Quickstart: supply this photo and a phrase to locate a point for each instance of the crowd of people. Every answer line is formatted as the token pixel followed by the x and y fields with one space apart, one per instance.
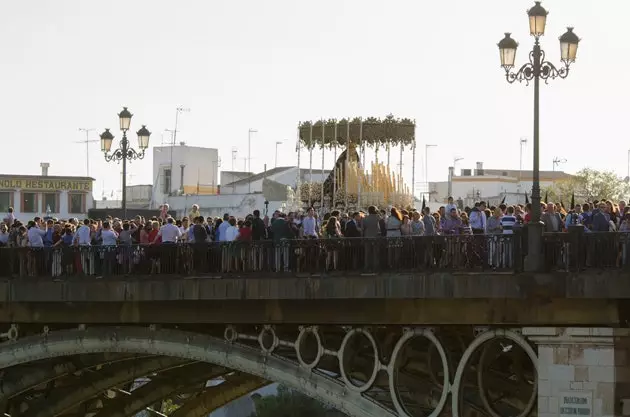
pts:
pixel 60 246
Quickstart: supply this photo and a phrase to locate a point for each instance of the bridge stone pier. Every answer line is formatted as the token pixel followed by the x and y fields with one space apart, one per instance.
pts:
pixel 582 368
pixel 377 345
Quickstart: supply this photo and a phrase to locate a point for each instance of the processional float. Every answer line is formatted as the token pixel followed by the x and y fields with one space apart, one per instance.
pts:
pixel 351 185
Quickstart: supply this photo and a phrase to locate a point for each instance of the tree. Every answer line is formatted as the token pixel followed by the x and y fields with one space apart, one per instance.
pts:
pixel 287 403
pixel 590 184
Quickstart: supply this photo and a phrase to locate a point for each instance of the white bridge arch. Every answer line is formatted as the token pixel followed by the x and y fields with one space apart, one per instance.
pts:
pixel 193 346
pixel 261 361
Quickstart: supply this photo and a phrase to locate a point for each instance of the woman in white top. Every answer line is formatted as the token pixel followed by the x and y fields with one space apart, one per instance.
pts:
pixel 394 221
pixel 110 239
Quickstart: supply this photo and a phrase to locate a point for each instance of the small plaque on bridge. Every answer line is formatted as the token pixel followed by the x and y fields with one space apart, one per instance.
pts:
pixel 576 404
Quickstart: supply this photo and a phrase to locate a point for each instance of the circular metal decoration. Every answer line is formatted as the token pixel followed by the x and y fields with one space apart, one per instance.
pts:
pixel 304 333
pixel 482 385
pixel 230 334
pixel 263 339
pixel 376 367
pixel 13 332
pixel 472 348
pixel 391 370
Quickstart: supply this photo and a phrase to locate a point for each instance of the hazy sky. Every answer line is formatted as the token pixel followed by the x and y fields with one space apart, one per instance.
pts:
pixel 267 65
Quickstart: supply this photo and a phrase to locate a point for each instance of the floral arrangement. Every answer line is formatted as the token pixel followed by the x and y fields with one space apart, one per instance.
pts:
pixel 370 131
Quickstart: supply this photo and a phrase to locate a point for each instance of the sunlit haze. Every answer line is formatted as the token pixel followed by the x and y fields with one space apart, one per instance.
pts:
pixel 268 65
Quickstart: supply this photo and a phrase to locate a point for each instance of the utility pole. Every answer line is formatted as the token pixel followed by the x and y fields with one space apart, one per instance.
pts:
pixel 87 142
pixel 178 111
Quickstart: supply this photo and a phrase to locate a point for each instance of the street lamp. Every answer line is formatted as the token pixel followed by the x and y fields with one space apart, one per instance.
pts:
pixel 557 161
pixel 125 151
pixel 249 156
pixel 536 69
pixel 426 167
pixel 277 143
pixel 451 174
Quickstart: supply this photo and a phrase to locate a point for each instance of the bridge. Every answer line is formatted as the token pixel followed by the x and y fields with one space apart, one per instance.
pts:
pixel 438 326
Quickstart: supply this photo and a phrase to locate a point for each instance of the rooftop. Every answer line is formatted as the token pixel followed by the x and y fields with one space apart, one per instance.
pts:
pixel 514 173
pixel 259 176
pixel 273 171
pixel 48 177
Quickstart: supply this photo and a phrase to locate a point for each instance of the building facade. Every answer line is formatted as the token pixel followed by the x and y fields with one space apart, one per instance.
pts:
pixel 491 185
pixel 41 195
pixel 183 169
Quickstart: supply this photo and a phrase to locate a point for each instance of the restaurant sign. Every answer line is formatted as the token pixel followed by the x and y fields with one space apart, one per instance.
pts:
pixel 575 403
pixel 46 184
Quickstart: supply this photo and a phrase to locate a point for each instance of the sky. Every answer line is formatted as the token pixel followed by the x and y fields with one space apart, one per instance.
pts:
pixel 70 64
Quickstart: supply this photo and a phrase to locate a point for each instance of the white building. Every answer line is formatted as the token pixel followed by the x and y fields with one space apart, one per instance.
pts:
pixel 283 175
pixel 491 185
pixel 183 169
pixel 41 195
pixel 243 196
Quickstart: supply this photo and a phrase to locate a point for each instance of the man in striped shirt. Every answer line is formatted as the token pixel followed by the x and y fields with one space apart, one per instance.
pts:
pixel 508 221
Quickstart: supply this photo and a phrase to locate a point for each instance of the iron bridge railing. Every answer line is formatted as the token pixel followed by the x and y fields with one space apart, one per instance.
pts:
pixel 573 251
pixel 288 257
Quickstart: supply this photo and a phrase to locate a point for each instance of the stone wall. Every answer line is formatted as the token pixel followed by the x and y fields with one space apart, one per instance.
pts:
pixel 582 371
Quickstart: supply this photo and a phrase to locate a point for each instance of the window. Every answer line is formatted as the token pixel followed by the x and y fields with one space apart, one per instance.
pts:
pixel 75 203
pixel 166 181
pixel 50 203
pixel 29 202
pixel 5 201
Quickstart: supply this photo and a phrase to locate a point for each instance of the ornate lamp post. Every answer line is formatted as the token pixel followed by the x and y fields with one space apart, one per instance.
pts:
pixel 536 69
pixel 125 151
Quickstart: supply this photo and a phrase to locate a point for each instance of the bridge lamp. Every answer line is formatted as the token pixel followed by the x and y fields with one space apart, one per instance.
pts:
pixel 568 46
pixel 537 20
pixel 125 119
pixel 507 51
pixel 143 137
pixel 538 68
pixel 106 141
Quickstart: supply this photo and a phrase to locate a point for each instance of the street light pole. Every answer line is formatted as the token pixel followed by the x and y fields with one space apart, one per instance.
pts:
pixel 426 166
pixel 557 161
pixel 451 174
pixel 277 143
pixel 523 142
pixel 536 69
pixel 249 156
pixel 125 151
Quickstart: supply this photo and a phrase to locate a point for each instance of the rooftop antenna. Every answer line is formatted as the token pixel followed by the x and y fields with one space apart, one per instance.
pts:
pixel 87 142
